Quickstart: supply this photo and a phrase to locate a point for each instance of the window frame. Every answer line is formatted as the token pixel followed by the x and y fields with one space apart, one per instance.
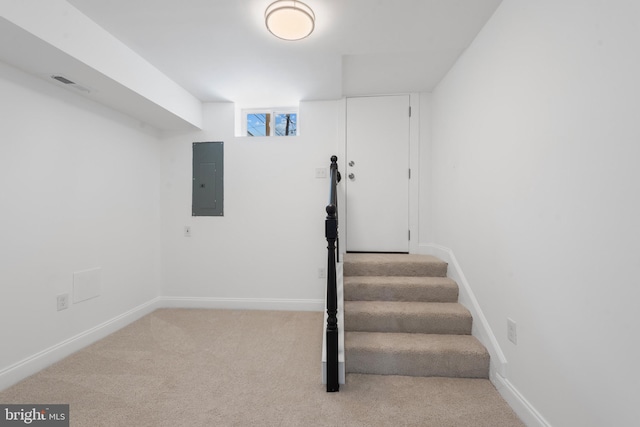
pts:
pixel 272 113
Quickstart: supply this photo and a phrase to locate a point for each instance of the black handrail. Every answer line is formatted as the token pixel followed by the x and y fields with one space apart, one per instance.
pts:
pixel 331 233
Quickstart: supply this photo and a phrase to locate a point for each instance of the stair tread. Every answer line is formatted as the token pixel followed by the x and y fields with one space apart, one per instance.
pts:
pixel 383 257
pixel 400 288
pixel 402 280
pixel 406 307
pixel 407 342
pixel 411 317
pixel 376 264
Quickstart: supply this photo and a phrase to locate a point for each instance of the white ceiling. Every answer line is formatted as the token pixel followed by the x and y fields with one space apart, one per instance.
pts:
pixel 220 49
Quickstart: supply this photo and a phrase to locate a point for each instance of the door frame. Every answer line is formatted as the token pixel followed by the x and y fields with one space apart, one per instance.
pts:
pixel 414 165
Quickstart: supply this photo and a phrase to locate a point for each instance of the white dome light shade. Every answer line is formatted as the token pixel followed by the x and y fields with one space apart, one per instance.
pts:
pixel 289 19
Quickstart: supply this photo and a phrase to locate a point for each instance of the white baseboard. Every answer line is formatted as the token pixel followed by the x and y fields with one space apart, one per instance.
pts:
pixel 518 403
pixel 243 303
pixel 32 364
pixel 483 332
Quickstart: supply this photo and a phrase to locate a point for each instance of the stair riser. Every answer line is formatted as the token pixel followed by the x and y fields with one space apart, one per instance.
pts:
pixel 364 292
pixel 418 365
pixel 395 269
pixel 451 325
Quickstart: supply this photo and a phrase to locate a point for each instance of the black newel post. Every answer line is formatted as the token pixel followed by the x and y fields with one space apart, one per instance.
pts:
pixel 331 233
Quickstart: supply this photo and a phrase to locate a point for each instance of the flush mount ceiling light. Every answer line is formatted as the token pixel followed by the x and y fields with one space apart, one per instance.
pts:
pixel 289 19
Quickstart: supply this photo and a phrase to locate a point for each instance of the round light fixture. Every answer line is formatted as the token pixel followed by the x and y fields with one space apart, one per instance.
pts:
pixel 289 19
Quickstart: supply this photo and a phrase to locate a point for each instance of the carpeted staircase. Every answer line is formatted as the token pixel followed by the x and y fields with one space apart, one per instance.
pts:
pixel 402 318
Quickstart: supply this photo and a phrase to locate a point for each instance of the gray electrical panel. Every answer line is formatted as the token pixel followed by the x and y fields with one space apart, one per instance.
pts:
pixel 208 179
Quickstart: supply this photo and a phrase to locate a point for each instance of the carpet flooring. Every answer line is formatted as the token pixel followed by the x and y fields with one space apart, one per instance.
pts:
pixel 182 367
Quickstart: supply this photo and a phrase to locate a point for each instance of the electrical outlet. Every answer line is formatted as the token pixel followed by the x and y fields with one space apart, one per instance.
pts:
pixel 321 172
pixel 63 301
pixel 322 273
pixel 511 331
pixel 187 231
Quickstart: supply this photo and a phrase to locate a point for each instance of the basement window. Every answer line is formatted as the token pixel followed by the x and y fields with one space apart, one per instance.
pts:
pixel 270 122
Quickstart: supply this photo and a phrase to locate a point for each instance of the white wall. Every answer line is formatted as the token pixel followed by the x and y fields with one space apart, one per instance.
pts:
pixel 270 243
pixel 536 189
pixel 79 189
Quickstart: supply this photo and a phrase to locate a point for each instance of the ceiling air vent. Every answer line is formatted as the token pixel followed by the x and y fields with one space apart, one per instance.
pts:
pixel 66 81
pixel 63 80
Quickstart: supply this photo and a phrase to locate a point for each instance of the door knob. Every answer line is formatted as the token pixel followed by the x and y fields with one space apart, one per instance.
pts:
pixel 351 163
pixel 352 176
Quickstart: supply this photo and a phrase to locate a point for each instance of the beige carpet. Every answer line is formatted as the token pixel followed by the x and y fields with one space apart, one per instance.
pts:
pixel 178 367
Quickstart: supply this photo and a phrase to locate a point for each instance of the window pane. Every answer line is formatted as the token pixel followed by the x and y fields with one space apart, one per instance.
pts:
pixel 258 124
pixel 286 124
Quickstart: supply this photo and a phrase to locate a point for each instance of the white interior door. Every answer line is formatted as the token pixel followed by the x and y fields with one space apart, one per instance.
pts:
pixel 377 174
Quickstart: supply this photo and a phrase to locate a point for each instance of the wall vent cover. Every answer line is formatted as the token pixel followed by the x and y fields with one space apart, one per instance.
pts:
pixel 63 79
pixel 70 83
